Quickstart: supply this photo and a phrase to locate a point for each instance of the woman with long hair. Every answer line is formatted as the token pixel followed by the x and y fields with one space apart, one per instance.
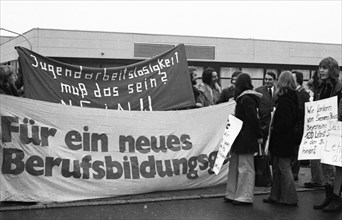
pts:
pixel 241 174
pixel 328 86
pixel 282 145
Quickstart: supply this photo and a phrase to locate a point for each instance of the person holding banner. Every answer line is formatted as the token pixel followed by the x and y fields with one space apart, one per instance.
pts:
pixel 209 90
pixel 329 85
pixel 241 174
pixel 315 165
pixel 303 97
pixel 282 144
pixel 193 76
pixel 8 78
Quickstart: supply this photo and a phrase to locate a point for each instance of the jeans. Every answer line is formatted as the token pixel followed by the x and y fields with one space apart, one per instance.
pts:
pixel 283 189
pixel 241 178
pixel 316 171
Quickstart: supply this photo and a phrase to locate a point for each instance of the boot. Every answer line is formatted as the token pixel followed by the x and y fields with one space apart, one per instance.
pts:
pixel 328 197
pixel 335 205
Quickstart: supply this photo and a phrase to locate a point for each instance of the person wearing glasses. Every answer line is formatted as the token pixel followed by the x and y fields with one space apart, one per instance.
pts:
pixel 266 103
pixel 209 90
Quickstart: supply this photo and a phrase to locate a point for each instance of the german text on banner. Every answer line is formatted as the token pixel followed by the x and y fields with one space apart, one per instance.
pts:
pixel 233 127
pixel 318 114
pixel 332 150
pixel 140 86
pixel 52 152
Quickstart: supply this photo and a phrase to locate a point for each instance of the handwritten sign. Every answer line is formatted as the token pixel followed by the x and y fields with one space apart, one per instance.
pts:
pixel 231 131
pixel 318 114
pixel 332 151
pixel 141 86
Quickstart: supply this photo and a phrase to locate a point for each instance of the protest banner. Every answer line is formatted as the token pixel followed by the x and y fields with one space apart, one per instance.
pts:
pixel 318 114
pixel 55 153
pixel 140 86
pixel 231 131
pixel 332 151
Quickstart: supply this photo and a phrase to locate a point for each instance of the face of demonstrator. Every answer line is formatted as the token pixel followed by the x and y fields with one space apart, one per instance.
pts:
pixel 194 78
pixel 269 81
pixel 323 72
pixel 214 78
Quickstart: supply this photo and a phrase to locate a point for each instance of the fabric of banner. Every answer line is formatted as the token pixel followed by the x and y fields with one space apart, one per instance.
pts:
pixel 159 83
pixel 52 152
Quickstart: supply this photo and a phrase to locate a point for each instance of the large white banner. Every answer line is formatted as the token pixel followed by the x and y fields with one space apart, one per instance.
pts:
pixel 52 152
pixel 318 114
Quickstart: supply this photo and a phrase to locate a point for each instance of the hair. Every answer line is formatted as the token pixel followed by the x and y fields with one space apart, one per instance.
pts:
pixel 5 73
pixel 192 69
pixel 274 76
pixel 285 83
pixel 207 75
pixel 235 74
pixel 243 83
pixel 332 65
pixel 299 77
pixel 7 85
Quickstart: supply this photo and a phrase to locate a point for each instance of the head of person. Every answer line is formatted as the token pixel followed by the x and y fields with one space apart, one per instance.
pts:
pixel 210 77
pixel 7 75
pixel 234 76
pixel 328 69
pixel 193 74
pixel 243 83
pixel 298 77
pixel 270 79
pixel 285 83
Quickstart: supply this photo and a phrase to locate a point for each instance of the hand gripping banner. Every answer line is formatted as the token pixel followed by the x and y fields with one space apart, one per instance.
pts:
pixel 51 152
pixel 159 83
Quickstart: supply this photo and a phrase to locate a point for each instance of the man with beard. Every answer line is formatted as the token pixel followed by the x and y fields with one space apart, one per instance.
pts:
pixel 193 76
pixel 209 90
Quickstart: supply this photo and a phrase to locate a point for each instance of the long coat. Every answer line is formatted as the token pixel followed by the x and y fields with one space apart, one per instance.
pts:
pixel 282 142
pixel 208 96
pixel 246 110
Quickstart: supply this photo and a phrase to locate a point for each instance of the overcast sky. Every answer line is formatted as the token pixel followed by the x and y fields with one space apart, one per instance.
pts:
pixel 305 21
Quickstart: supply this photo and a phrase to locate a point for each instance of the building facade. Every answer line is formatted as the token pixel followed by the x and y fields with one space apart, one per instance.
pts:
pixel 225 55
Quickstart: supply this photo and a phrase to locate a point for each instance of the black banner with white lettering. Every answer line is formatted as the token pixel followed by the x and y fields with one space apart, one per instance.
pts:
pixel 159 83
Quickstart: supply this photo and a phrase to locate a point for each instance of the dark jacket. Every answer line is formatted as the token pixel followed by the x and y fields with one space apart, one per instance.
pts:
pixel 265 108
pixel 327 89
pixel 8 89
pixel 246 110
pixel 303 96
pixel 282 142
pixel 226 94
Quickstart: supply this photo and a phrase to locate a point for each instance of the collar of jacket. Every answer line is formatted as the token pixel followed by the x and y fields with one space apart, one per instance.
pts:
pixel 337 86
pixel 251 92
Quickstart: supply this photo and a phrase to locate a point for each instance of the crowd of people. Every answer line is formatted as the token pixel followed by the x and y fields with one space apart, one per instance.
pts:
pixel 272 113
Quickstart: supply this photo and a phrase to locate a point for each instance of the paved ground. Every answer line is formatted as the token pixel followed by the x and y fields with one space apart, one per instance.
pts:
pixel 185 209
pixel 211 192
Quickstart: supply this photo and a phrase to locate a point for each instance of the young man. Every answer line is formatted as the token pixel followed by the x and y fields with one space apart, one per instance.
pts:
pixel 267 103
